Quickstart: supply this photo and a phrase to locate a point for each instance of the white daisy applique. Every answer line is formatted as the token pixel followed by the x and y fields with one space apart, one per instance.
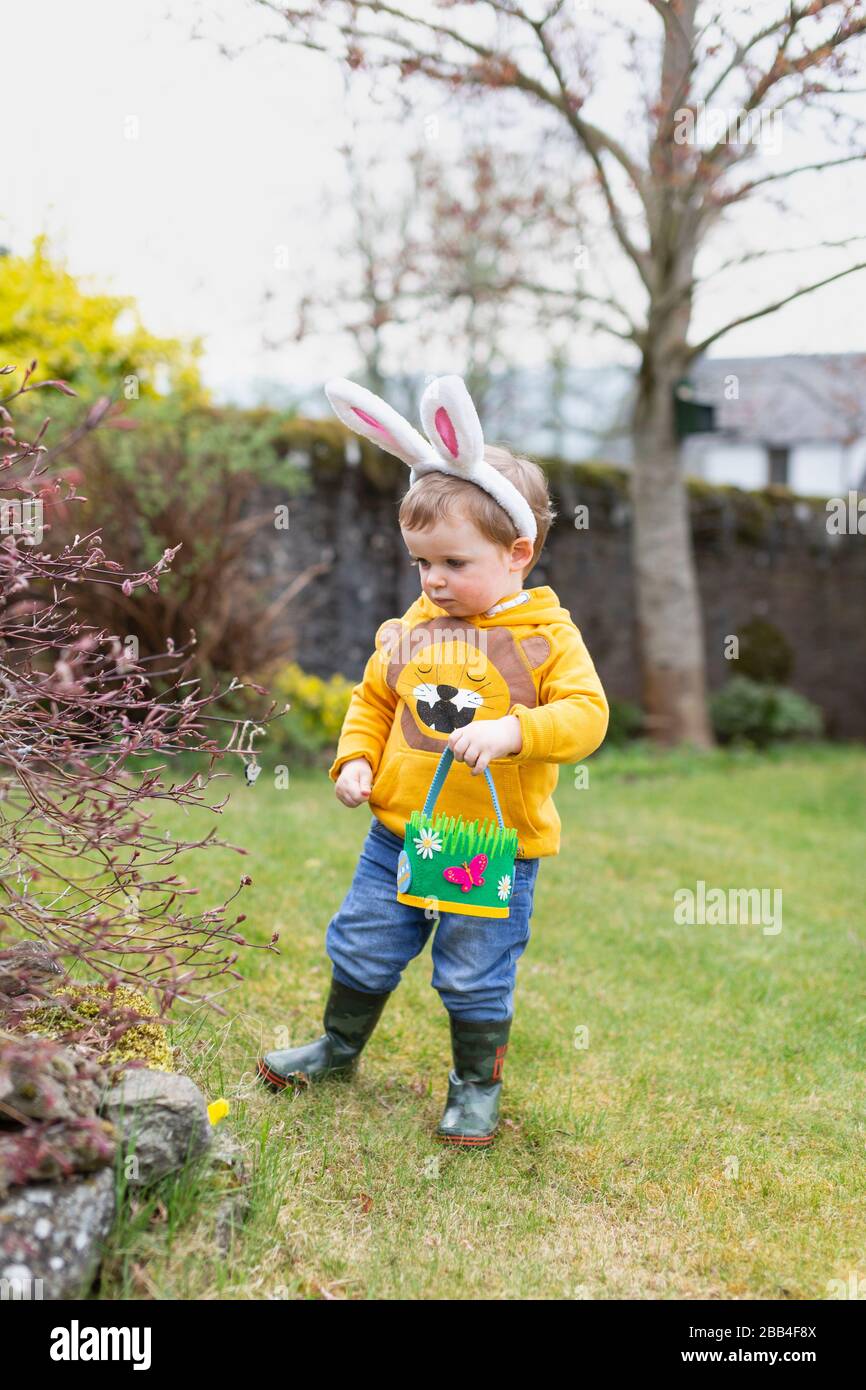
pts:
pixel 428 844
pixel 504 886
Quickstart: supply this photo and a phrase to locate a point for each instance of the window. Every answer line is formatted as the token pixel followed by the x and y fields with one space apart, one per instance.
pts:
pixel 778 465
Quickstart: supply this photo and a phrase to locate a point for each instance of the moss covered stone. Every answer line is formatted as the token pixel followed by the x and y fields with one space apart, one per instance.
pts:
pixel 74 1006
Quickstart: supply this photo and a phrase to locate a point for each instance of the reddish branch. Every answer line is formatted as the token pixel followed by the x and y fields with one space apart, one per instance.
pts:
pixel 84 874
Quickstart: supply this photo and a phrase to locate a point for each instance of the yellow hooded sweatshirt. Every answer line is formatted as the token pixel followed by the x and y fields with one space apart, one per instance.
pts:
pixel 432 673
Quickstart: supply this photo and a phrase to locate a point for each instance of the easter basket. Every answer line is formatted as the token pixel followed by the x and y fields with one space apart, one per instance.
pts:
pixel 460 866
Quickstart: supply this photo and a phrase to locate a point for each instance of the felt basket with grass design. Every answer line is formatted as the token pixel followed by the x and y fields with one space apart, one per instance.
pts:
pixel 455 865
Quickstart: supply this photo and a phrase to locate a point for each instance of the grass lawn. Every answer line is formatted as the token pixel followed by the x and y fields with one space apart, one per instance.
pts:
pixel 708 1142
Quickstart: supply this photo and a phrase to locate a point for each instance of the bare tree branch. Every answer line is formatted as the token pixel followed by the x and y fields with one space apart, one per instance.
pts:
pixel 771 308
pixel 728 199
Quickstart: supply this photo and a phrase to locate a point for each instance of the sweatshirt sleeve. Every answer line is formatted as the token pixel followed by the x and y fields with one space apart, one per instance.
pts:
pixel 571 718
pixel 370 715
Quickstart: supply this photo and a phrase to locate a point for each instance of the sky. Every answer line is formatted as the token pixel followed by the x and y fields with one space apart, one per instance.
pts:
pixel 162 168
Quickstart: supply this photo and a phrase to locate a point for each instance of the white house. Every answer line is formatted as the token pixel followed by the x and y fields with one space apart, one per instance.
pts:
pixel 800 421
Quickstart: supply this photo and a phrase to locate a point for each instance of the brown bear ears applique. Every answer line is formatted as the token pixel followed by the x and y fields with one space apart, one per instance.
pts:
pixel 400 644
pixel 388 635
pixel 535 649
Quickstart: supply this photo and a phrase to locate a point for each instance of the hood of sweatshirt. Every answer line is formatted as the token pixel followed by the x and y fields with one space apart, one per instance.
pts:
pixel 527 608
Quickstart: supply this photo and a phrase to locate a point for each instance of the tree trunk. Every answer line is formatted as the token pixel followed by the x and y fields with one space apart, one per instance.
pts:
pixel 670 620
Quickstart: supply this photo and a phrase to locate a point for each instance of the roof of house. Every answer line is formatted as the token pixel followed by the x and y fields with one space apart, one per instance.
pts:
pixel 783 401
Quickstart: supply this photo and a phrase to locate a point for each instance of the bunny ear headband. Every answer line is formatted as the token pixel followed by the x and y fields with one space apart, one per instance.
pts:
pixel 454 443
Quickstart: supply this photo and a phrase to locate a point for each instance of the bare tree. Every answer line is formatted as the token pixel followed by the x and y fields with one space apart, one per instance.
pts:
pixel 662 191
pixel 437 265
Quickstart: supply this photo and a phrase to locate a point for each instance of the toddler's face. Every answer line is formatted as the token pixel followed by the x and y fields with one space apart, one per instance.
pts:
pixel 461 570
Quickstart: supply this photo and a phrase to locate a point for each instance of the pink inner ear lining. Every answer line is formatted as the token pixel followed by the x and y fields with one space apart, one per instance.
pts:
pixel 447 433
pixel 370 421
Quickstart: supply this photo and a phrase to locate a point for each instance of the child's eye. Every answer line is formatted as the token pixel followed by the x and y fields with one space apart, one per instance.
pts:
pixel 457 564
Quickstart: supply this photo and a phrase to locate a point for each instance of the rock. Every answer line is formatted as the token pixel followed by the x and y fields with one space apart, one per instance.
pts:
pixel 227 1159
pixel 25 963
pixel 161 1120
pixel 226 1152
pixel 52 1236
pixel 94 1012
pixel 43 1152
pixel 43 1080
pixel 49 1101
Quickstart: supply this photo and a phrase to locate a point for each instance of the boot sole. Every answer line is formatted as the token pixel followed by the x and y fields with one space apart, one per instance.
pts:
pixel 469 1140
pixel 272 1079
pixel 297 1079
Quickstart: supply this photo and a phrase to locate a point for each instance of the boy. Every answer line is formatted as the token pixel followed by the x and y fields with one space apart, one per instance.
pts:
pixel 495 672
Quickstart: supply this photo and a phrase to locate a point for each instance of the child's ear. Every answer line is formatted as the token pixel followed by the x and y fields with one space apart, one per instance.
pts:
pixel 451 422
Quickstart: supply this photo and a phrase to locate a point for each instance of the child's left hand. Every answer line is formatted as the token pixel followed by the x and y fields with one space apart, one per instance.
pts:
pixel 486 739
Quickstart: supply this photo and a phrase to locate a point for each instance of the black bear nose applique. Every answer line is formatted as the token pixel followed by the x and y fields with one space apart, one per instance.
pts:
pixel 443 715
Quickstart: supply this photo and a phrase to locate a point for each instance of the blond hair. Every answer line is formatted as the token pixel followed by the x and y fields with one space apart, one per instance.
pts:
pixel 436 496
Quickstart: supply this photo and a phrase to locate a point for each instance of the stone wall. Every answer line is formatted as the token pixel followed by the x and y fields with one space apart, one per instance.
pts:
pixel 763 554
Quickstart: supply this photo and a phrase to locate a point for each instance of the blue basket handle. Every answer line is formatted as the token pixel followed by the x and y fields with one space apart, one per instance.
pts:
pixel 439 777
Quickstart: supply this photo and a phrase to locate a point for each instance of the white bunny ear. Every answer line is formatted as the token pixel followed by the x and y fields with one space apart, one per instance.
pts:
pixel 451 423
pixel 367 414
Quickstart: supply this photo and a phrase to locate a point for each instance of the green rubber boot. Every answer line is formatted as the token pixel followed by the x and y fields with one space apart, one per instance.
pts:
pixel 471 1114
pixel 350 1017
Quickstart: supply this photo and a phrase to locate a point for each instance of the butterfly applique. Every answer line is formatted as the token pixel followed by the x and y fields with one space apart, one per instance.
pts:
pixel 469 874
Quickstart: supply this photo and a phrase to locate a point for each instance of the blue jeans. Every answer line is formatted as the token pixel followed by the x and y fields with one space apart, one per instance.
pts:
pixel 372 937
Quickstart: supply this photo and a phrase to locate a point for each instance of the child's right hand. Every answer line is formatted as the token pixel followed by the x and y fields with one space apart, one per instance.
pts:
pixel 354 782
